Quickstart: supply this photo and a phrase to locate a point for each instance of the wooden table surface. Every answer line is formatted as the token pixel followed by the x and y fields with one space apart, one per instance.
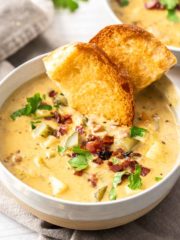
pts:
pixel 67 27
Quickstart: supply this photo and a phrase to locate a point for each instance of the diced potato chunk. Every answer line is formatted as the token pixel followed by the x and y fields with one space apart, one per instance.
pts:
pixel 49 142
pixel 43 113
pixel 128 143
pixel 73 140
pixel 154 150
pixel 42 130
pixel 38 161
pixel 50 154
pixel 57 185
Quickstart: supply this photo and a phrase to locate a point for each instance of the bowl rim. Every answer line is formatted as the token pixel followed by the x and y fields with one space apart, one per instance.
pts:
pixel 118 21
pixel 70 202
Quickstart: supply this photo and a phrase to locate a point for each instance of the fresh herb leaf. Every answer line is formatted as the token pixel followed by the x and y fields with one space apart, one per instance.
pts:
pixel 116 181
pixel 158 179
pixel 21 112
pixel 82 152
pixel 123 3
pixel 61 149
pixel 112 194
pixel 33 103
pixel 135 181
pixel 45 107
pixel 72 5
pixel 137 131
pixel 170 4
pixel 172 16
pixel 79 162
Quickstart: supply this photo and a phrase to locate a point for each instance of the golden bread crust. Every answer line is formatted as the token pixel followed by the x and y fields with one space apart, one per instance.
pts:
pixel 91 82
pixel 131 48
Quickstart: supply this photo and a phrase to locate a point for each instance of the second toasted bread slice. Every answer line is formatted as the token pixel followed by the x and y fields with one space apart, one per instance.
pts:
pixel 144 57
pixel 91 83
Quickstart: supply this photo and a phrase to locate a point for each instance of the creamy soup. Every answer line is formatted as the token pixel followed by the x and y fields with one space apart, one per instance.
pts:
pixel 56 150
pixel 153 20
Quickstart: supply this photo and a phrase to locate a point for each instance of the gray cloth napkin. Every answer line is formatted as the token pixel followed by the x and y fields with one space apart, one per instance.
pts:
pixel 162 223
pixel 21 21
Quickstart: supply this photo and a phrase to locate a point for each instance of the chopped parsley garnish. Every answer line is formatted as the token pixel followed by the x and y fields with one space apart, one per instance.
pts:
pixel 45 107
pixel 123 3
pixel 116 181
pixel 135 181
pixel 72 5
pixel 137 131
pixel 171 5
pixel 80 161
pixel 172 16
pixel 33 103
pixel 82 152
pixel 157 179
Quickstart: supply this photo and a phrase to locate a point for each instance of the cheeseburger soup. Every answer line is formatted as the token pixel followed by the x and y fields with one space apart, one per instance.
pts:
pixel 152 16
pixel 60 152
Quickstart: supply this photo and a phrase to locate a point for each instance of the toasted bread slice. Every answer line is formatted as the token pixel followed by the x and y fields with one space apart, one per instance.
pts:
pixel 144 57
pixel 91 83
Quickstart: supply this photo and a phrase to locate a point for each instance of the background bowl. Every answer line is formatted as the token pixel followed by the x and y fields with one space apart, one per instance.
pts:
pixel 175 50
pixel 84 216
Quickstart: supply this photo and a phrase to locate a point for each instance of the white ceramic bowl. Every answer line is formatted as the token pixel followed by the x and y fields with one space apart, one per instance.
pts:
pixel 87 216
pixel 175 50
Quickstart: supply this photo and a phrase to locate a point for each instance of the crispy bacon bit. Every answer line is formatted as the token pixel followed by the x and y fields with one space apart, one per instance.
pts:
pixel 48 118
pixel 92 138
pixel 94 146
pixel 108 140
pixel 61 131
pixel 104 154
pixel 52 93
pixel 135 154
pixel 127 154
pixel 66 119
pixel 123 166
pixel 119 153
pixel 80 129
pixel 115 168
pixel 154 4
pixel 93 180
pixel 132 165
pixel 57 117
pixel 144 171
pixel 98 161
pixel 78 173
pixel 16 157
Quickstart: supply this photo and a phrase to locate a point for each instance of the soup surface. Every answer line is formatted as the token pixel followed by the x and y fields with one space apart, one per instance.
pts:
pixel 56 150
pixel 154 21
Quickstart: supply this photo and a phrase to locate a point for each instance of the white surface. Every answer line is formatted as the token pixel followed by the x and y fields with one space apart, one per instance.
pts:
pixel 80 26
